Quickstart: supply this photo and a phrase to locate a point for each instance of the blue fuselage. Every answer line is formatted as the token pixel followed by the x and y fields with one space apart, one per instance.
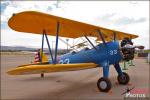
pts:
pixel 108 53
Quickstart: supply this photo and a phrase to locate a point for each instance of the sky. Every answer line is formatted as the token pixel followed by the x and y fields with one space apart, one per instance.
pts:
pixel 126 16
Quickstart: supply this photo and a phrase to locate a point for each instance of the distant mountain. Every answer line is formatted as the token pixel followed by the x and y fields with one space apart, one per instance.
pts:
pixel 21 48
pixel 16 48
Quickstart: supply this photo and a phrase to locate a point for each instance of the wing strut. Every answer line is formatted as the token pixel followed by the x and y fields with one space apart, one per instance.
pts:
pixel 49 48
pixel 54 60
pixel 42 47
pixel 114 36
pixel 56 47
pixel 101 35
pixel 90 42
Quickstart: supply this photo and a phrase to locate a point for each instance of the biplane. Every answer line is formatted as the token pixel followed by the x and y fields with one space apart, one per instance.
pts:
pixel 106 53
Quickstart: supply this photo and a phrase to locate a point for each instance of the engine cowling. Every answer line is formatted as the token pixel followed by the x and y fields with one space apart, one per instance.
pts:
pixel 127 49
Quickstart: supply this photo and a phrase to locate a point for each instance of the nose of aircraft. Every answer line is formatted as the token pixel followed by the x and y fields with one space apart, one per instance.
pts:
pixel 128 49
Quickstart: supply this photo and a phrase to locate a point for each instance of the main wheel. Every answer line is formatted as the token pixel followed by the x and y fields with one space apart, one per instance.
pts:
pixel 123 79
pixel 104 84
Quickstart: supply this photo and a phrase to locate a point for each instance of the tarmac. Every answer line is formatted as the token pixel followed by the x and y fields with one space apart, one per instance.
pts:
pixel 76 85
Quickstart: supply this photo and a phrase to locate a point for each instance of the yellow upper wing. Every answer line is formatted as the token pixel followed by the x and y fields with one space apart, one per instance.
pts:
pixel 36 22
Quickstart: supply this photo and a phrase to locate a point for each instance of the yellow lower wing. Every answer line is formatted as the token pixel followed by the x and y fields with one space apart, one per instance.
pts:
pixel 47 68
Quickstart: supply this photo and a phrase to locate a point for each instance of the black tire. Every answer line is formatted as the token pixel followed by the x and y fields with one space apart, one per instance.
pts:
pixel 42 75
pixel 104 84
pixel 123 79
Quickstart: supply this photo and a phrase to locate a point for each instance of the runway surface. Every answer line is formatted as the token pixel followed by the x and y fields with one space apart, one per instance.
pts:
pixel 67 85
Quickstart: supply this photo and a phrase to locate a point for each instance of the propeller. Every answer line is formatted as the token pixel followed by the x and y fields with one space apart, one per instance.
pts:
pixel 140 47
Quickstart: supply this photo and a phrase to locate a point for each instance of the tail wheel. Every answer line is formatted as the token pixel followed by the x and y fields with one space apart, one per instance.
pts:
pixel 42 75
pixel 104 84
pixel 123 79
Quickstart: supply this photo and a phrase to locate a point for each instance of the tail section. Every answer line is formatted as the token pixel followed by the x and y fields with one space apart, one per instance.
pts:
pixel 38 58
pixel 44 57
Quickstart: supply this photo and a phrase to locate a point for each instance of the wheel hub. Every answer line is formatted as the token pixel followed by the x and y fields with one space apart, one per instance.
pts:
pixel 123 78
pixel 103 85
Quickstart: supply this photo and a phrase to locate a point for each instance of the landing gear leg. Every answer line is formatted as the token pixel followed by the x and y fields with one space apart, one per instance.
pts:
pixel 125 66
pixel 42 75
pixel 104 83
pixel 131 64
pixel 123 78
